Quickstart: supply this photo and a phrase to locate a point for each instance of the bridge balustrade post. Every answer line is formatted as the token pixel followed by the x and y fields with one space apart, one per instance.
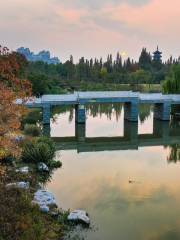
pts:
pixel 131 111
pixel 80 113
pixel 162 111
pixel 46 113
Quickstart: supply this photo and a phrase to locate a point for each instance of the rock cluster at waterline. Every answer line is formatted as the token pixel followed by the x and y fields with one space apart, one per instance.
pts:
pixel 44 199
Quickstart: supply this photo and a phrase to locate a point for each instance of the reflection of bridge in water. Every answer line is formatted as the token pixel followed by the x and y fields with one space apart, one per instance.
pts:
pixel 163 135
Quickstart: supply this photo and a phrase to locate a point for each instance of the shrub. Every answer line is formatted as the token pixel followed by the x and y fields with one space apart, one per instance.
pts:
pixel 8 160
pixel 33 117
pixel 50 143
pixel 32 130
pixel 55 164
pixel 40 150
pixel 36 152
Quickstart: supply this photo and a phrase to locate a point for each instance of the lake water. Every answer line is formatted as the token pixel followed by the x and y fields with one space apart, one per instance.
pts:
pixel 130 186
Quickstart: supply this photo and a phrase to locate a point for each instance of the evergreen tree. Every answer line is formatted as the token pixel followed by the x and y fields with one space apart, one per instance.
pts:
pixel 145 60
pixel 118 63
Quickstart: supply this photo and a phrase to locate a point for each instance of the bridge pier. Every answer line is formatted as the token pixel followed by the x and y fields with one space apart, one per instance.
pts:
pixel 46 113
pixel 80 132
pixel 46 130
pixel 131 130
pixel 161 129
pixel 80 114
pixel 162 111
pixel 131 111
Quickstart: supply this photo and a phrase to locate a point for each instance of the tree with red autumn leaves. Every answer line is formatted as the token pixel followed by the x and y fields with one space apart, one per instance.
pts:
pixel 12 87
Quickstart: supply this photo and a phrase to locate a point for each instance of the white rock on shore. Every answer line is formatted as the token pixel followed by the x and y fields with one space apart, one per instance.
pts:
pixel 23 169
pixel 19 138
pixel 44 208
pixel 44 199
pixel 79 216
pixel 21 185
pixel 43 167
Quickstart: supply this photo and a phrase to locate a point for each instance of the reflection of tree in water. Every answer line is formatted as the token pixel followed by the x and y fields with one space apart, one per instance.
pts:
pixel 115 109
pixel 108 109
pixel 174 150
pixel 144 111
pixel 174 154
pixel 71 114
pixel 92 110
pixel 61 110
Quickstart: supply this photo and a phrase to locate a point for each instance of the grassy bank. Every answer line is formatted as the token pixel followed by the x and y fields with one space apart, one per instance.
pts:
pixel 20 219
pixel 92 86
pixel 120 87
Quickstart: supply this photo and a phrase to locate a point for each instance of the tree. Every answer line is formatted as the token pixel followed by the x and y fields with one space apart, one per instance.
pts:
pixel 128 65
pixel 103 73
pixel 69 68
pixel 118 63
pixel 172 81
pixel 12 87
pixel 81 69
pixel 145 60
pixel 40 84
pixel 109 64
pixel 141 76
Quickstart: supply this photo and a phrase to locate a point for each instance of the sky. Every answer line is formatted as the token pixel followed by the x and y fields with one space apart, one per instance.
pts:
pixel 91 28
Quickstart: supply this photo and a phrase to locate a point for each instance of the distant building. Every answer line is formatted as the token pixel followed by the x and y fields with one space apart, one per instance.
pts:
pixel 43 56
pixel 157 55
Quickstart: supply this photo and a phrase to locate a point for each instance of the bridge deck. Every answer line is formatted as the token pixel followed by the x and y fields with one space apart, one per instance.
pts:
pixel 100 97
pixel 106 94
pixel 158 98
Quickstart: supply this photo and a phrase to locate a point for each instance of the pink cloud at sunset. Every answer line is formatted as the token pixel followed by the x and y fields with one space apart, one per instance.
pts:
pixel 91 29
pixel 156 17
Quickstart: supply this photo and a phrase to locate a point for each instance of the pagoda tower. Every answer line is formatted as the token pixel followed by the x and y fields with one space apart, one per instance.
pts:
pixel 157 55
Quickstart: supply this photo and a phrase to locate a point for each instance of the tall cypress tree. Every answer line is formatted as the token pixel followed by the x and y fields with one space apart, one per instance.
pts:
pixel 145 60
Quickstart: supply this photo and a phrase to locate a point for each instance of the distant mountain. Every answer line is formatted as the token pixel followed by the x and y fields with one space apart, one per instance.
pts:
pixel 43 56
